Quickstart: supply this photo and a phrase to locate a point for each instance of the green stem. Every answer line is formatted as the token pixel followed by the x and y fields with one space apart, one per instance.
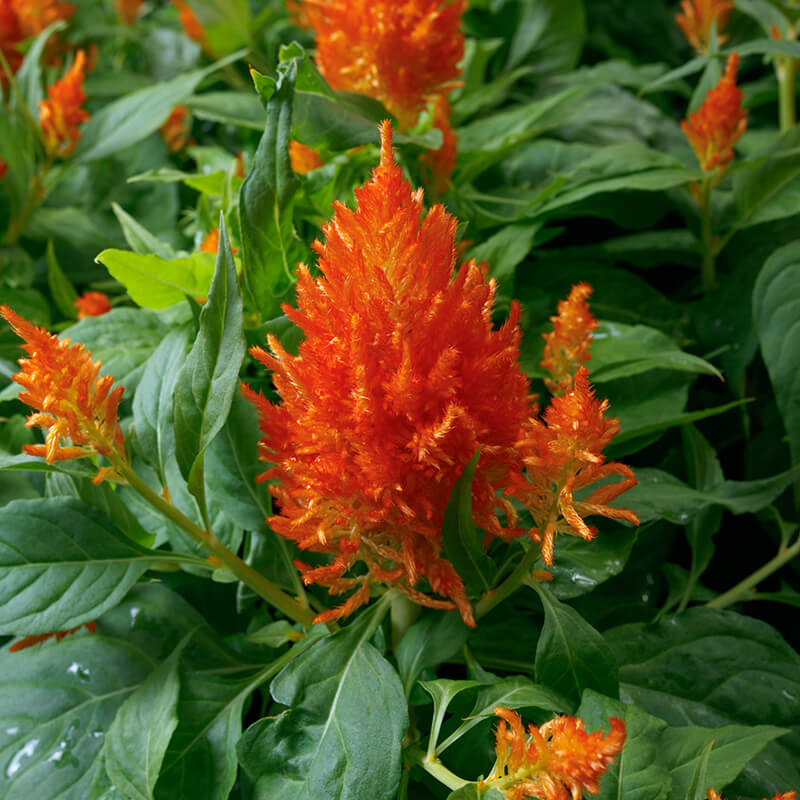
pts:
pixel 707 275
pixel 436 769
pixel 786 68
pixel 745 587
pixel 244 572
pixel 404 614
pixel 509 585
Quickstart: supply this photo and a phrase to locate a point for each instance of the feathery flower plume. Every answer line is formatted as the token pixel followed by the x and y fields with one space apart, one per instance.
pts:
pixel 567 345
pixel 175 131
pixel 438 165
pixel 713 795
pixel 557 761
pixel 392 392
pixel 718 124
pixel 61 113
pixel 10 36
pixel 35 15
pixel 562 454
pixel 697 17
pixel 92 304
pixel 192 26
pixel 303 157
pixel 30 641
pixel 64 386
pixel 128 10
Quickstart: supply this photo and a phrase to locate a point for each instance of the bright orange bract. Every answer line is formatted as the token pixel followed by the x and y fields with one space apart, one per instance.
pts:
pixel 718 124
pixel 61 113
pixel 92 304
pixel 175 131
pixel 713 795
pixel 393 391
pixel 303 157
pixel 71 399
pixel 567 345
pixel 192 26
pixel 128 10
pixel 557 761
pixel 35 15
pixel 697 18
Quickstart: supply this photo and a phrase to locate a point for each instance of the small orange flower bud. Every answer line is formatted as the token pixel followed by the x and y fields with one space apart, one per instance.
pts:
pixel 61 113
pixel 92 304
pixel 718 124
pixel 64 385
pixel 556 761
pixel 128 10
pixel 30 641
pixel 192 26
pixel 567 345
pixel 211 243
pixel 439 164
pixel 175 131
pixel 697 18
pixel 303 157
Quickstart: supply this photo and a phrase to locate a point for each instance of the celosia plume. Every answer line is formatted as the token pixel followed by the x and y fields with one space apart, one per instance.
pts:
pixel 92 304
pixel 713 795
pixel 10 36
pixel 567 345
pixel 697 17
pixel 392 392
pixel 192 26
pixel 175 131
pixel 303 158
pixel 128 10
pixel 718 124
pixel 562 454
pixel 30 641
pixel 438 165
pixel 70 398
pixel 61 113
pixel 557 761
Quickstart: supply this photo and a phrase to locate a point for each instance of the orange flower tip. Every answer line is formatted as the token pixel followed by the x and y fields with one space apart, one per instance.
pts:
pixel 3 168
pixel 60 114
pixel 697 18
pixel 92 304
pixel 303 158
pixel 30 641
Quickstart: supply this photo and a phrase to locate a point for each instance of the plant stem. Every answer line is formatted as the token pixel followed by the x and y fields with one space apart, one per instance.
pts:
pixel 437 770
pixel 744 588
pixel 403 615
pixel 707 274
pixel 509 585
pixel 244 572
pixel 786 69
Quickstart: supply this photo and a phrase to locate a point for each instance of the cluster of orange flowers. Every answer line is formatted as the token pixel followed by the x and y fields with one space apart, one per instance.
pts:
pixel 404 54
pixel 22 19
pixel 60 113
pixel 303 158
pixel 395 388
pixel 557 761
pixel 697 17
pixel 719 123
pixel 92 304
pixel 713 795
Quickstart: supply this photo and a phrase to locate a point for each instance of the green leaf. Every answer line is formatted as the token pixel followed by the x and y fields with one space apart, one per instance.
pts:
pixel 620 351
pixel 429 641
pixel 29 76
pixel 137 739
pixel 472 791
pixel 442 692
pixel 700 775
pixel 230 108
pixel 209 377
pixel 154 282
pixel 776 309
pixel 571 655
pixel 61 287
pixel 62 563
pixel 504 250
pixel 226 23
pixel 139 238
pixel 461 539
pixel 341 733
pixel 265 205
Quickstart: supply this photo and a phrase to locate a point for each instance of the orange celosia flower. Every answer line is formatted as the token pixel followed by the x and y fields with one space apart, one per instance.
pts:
pixel 128 10
pixel 303 157
pixel 718 124
pixel 35 15
pixel 563 454
pixel 713 795
pixel 439 164
pixel 557 761
pixel 567 345
pixel 192 26
pixel 697 18
pixel 394 389
pixel 61 113
pixel 92 304
pixel 63 383
pixel 10 36
pixel 403 54
pixel 211 243
pixel 3 168
pixel 30 641
pixel 175 131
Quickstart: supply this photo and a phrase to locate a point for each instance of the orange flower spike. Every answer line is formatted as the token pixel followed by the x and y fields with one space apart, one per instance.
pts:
pixel 92 304
pixel 128 11
pixel 192 26
pixel 556 761
pixel 567 345
pixel 35 15
pixel 392 392
pixel 697 17
pixel 401 53
pixel 211 243
pixel 175 131
pixel 10 36
pixel 719 123
pixel 713 795
pixel 562 454
pixel 440 163
pixel 61 113
pixel 63 385
pixel 303 158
